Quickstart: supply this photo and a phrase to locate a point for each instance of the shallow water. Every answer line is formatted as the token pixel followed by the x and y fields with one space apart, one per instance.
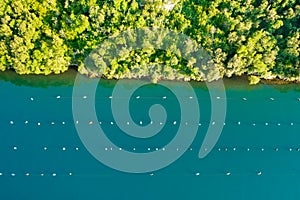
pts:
pixel 265 125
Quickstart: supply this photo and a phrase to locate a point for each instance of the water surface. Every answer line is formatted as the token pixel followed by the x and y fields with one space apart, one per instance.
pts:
pixel 258 123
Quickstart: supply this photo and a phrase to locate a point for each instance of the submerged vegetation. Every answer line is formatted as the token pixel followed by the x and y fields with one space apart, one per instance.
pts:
pixel 257 38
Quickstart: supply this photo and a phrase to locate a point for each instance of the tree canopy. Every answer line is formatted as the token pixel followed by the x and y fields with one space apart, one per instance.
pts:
pixel 258 38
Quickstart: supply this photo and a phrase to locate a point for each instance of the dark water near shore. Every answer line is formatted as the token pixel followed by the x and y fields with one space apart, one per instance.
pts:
pixel 265 125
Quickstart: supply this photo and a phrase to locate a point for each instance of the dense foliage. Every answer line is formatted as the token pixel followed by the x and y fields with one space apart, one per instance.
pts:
pixel 259 38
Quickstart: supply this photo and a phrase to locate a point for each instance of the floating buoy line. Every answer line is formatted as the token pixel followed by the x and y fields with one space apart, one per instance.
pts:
pixel 70 174
pixel 141 122
pixel 228 173
pixel 139 97
pixel 147 149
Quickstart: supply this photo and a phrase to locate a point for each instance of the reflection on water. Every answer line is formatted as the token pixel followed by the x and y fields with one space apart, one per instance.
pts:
pixel 67 79
pixel 41 81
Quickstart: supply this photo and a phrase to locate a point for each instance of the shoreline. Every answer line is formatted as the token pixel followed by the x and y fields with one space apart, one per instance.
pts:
pixel 67 79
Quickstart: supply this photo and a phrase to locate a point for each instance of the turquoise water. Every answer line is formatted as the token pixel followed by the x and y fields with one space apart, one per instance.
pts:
pixel 90 179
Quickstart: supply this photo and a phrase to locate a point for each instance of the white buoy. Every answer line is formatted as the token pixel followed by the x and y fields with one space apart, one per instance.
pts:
pixel 228 173
pixel 26 122
pixel 31 98
pixel 276 149
pixel 163 149
pixel 151 122
pixel 259 173
pixel 91 122
pixel 15 148
pixel 160 123
pixel 11 122
pixel 262 149
pixel 27 174
pixel 164 97
pixel 1 174
pixel 254 124
pixel 199 124
pixel 149 149
pixel 137 97
pixel 64 148
pixel 248 149
pixel 191 97
pixel 245 99
pixel 197 174
pixel 84 97
pixel 266 123
pixel 152 174
pixel 39 123
pixel 110 97
pixel 52 123
pixel 279 124
pixel 141 122
pixel 58 97
pixel 127 123
pixel 292 124
pixel 54 174
pixel 239 123
pixel 100 122
pixel 156 149
pixel 112 123
pixel 120 149
pixel 272 99
pixel 218 97
pixel 45 148
pixel 133 149
pixel 63 123
pixel 290 149
pixel 42 174
pixel 106 148
pixel 224 123
pixel 13 174
pixel 174 122
pixel 177 149
pixel 234 149
pixel 76 148
pixel 186 123
pixel 70 174
pixel 219 149
pixel 213 123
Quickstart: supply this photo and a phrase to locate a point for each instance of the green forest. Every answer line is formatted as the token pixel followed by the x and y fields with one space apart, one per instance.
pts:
pixel 257 38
